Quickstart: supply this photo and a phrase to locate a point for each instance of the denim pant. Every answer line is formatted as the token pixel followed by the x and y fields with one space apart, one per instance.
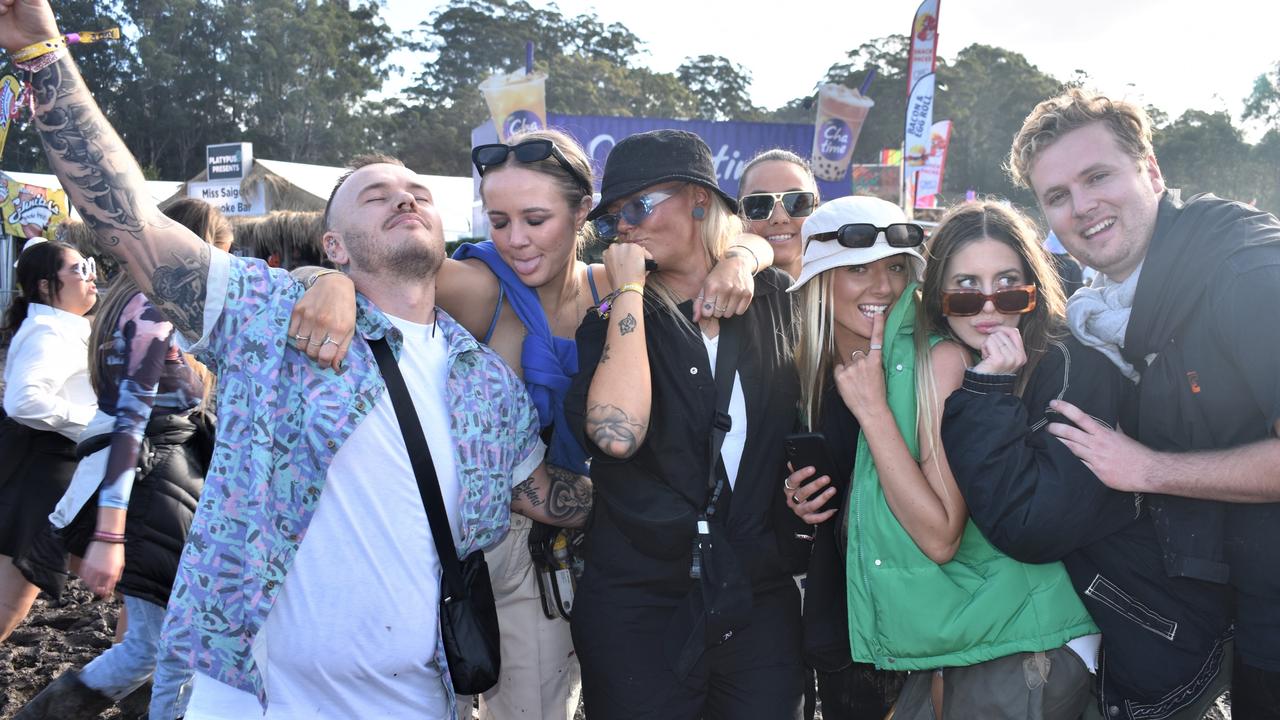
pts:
pixel 126 666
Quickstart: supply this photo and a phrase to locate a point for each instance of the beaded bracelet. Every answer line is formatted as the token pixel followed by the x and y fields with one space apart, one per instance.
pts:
pixel 106 537
pixel 607 303
pixel 35 50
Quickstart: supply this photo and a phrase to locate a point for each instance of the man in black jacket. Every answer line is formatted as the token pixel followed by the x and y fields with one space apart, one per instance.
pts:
pixel 1174 310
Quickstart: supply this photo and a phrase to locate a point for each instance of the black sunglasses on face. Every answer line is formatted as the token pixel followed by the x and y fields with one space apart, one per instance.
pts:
pixel 529 151
pixel 759 206
pixel 863 235
pixel 1008 301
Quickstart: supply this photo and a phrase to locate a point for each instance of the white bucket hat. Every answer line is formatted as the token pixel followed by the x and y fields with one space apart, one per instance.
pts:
pixel 822 256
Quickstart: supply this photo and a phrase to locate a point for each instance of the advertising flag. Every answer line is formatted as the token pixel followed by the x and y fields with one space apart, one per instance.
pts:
pixel 918 137
pixel 923 56
pixel 929 178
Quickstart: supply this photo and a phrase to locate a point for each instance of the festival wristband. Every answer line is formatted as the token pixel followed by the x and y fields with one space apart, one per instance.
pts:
pixel 607 303
pixel 106 537
pixel 35 50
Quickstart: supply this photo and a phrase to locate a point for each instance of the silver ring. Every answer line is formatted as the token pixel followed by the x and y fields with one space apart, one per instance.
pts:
pixel 317 343
pixel 876 346
pixel 328 340
pixel 786 483
pixel 300 338
pixel 855 355
pixel 721 309
pixel 795 498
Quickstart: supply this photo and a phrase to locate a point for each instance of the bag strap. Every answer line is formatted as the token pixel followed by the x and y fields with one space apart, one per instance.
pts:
pixel 424 469
pixel 726 371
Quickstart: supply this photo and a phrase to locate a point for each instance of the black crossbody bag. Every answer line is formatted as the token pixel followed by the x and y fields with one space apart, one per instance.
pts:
pixel 721 602
pixel 468 615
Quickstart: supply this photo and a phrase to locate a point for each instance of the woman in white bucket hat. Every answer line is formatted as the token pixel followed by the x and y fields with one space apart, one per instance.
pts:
pixel 923 588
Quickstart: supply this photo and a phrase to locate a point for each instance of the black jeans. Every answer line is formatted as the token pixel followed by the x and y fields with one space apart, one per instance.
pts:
pixel 626 674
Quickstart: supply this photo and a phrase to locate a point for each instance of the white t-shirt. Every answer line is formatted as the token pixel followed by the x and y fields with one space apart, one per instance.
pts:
pixel 735 441
pixel 353 631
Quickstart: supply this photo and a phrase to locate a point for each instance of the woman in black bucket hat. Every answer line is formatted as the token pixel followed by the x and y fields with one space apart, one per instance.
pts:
pixel 687 607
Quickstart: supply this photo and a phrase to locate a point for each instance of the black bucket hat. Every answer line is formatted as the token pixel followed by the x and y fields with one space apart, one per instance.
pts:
pixel 655 157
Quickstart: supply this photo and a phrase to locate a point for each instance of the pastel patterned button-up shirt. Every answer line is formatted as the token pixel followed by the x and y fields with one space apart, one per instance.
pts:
pixel 281 419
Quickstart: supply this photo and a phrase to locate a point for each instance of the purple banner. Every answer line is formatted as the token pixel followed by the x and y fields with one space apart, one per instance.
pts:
pixel 732 144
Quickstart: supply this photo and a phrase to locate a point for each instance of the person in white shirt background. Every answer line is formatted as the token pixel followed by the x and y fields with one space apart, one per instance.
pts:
pixel 48 400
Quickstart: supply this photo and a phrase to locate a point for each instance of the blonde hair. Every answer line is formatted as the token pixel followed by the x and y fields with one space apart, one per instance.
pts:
pixel 718 227
pixel 1072 110
pixel 570 187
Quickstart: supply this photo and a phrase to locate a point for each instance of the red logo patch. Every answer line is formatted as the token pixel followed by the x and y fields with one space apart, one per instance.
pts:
pixel 1194 379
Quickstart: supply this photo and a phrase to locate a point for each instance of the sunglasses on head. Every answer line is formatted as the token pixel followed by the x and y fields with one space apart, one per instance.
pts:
pixel 863 235
pixel 86 269
pixel 1010 301
pixel 529 151
pixel 759 206
pixel 634 211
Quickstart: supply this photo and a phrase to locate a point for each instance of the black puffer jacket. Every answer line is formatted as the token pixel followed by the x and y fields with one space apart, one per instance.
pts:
pixel 1163 636
pixel 172 462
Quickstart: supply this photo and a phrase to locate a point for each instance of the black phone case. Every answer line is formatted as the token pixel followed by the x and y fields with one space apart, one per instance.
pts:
pixel 805 449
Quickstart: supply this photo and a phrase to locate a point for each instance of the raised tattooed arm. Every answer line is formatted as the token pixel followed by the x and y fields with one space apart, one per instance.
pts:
pixel 619 400
pixel 554 496
pixel 169 263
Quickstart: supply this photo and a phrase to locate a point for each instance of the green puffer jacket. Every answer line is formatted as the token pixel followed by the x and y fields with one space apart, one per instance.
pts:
pixel 906 612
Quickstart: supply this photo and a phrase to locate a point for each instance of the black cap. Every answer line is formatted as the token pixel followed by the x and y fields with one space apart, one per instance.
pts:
pixel 655 157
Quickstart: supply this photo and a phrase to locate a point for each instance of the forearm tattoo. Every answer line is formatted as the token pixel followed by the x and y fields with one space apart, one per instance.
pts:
pixel 613 430
pixel 569 497
pixel 627 324
pixel 103 180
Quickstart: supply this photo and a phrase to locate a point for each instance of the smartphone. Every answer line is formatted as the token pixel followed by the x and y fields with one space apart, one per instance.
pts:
pixel 810 449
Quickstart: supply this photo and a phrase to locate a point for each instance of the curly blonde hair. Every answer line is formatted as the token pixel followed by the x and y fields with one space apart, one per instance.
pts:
pixel 1072 110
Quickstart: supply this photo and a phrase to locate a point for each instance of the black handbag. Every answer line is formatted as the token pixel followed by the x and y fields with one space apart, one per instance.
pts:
pixel 468 614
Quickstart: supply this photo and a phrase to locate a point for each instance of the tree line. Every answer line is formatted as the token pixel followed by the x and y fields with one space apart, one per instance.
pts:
pixel 305 81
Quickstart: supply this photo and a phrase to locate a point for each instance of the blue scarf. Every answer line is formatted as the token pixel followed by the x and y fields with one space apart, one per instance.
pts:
pixel 548 362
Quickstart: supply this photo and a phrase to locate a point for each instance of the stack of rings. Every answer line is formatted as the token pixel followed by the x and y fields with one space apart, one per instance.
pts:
pixel 304 338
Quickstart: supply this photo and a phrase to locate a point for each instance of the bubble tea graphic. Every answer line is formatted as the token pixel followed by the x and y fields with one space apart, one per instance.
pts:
pixel 517 101
pixel 841 112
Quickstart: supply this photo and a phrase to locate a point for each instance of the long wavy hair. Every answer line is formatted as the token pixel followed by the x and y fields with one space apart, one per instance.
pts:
pixel 991 220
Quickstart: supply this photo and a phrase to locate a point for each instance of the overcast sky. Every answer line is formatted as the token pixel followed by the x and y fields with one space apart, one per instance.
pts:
pixel 1173 54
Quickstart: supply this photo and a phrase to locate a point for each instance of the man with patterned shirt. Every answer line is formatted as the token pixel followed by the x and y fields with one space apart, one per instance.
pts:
pixel 344 624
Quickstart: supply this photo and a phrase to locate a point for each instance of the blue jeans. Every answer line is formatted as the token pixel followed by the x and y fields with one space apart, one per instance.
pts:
pixel 127 665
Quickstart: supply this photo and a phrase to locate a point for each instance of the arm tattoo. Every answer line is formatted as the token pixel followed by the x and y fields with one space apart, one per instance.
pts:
pixel 604 355
pixel 529 491
pixel 104 181
pixel 81 147
pixel 567 502
pixel 614 431
pixel 627 324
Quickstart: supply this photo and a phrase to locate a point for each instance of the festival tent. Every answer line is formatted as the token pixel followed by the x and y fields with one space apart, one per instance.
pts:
pixel 279 185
